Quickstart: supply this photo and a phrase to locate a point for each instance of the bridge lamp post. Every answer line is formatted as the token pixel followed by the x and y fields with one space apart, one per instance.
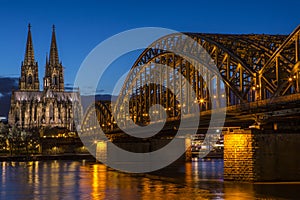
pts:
pixel 255 90
pixel 178 110
pixel 292 79
pixel 200 101
pixel 109 125
pixel 145 115
pixel 155 112
pixel 55 150
pixel 114 124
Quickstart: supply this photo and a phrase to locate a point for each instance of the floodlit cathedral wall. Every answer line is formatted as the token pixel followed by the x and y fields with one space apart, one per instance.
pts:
pixel 32 108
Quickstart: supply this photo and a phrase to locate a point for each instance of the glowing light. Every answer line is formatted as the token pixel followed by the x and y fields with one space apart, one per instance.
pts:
pixel 201 100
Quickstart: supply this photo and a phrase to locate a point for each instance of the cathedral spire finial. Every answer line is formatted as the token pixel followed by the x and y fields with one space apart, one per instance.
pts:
pixel 53 57
pixel 29 54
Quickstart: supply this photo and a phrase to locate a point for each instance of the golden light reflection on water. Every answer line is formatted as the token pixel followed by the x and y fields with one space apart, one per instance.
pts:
pixel 83 180
pixel 98 182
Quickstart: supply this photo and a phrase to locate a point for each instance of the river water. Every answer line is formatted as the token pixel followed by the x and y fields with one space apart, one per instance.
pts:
pixel 85 180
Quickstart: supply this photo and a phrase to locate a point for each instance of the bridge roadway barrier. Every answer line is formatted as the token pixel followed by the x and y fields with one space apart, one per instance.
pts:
pixel 260 155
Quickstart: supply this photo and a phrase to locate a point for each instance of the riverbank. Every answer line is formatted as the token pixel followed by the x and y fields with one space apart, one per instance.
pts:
pixel 73 157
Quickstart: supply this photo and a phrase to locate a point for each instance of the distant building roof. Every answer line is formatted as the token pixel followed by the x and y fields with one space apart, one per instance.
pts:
pixel 2 119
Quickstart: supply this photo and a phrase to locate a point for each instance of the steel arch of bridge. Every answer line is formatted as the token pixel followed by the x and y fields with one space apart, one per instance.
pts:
pixel 98 113
pixel 253 67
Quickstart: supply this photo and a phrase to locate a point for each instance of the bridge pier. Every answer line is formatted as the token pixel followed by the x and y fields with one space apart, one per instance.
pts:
pixel 107 154
pixel 261 155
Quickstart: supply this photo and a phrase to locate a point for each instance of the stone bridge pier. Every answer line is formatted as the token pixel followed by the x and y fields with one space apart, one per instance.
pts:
pixel 109 155
pixel 260 155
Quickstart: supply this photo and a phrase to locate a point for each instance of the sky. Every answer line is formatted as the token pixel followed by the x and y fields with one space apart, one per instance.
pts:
pixel 82 25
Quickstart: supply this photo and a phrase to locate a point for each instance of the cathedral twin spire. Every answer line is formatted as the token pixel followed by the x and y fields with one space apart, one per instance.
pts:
pixel 53 49
pixel 29 80
pixel 54 77
pixel 29 54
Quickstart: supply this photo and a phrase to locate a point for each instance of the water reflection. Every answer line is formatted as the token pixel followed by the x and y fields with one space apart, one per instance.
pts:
pixel 84 180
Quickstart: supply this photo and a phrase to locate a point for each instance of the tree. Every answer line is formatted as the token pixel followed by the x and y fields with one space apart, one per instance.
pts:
pixel 4 131
pixel 14 138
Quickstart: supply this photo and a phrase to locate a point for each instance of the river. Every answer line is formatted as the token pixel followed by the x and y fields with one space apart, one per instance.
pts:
pixel 201 179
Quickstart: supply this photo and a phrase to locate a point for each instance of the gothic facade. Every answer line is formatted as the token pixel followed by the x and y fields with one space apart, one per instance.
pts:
pixel 50 107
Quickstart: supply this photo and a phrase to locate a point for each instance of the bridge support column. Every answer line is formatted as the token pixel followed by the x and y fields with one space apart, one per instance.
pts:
pixel 256 155
pixel 106 154
pixel 101 151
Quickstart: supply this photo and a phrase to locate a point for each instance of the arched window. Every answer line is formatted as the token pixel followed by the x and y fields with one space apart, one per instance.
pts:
pixel 30 79
pixel 55 80
pixel 17 115
pixel 51 112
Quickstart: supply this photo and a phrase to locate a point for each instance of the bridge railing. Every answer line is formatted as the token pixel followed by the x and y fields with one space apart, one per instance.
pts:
pixel 265 103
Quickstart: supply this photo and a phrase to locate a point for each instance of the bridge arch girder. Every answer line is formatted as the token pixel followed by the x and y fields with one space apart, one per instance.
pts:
pixel 280 75
pixel 98 114
pixel 238 77
pixel 252 67
pixel 253 49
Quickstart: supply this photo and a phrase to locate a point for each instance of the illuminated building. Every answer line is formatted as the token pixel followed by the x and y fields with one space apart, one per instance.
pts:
pixel 51 107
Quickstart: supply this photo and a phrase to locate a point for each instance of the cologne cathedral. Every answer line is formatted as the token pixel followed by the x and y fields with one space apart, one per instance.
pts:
pixel 50 107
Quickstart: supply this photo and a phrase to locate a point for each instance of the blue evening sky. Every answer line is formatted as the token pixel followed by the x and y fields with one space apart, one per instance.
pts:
pixel 81 25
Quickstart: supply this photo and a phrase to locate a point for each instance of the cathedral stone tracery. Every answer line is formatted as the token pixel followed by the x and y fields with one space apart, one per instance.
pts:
pixel 53 106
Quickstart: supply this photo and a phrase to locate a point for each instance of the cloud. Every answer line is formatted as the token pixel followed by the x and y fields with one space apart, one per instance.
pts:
pixel 99 91
pixel 70 87
pixel 7 84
